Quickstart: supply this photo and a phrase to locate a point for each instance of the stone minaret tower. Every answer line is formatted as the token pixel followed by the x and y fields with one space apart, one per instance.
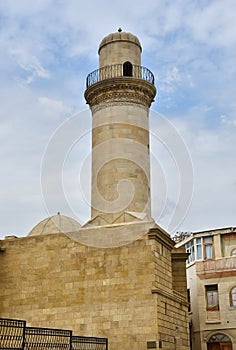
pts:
pixel 119 94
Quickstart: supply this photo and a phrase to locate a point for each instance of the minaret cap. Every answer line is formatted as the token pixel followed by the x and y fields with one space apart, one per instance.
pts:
pixel 119 36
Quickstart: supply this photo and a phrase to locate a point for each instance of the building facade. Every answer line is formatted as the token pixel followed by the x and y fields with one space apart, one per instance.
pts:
pixel 119 276
pixel 211 279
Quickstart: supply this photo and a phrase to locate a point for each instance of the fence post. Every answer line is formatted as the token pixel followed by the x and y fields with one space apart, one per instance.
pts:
pixel 71 347
pixel 23 340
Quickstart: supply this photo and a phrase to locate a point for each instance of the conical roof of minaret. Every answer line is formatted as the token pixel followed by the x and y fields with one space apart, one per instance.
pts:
pixel 119 36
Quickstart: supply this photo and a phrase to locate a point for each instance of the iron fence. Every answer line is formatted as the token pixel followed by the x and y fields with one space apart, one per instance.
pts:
pixel 117 71
pixel 92 343
pixel 47 338
pixel 14 335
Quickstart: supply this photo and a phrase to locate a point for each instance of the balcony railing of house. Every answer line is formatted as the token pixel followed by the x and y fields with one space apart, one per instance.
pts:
pixel 117 71
pixel 223 265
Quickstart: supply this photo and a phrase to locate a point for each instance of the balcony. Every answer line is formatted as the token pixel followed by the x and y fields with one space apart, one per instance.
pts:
pixel 225 267
pixel 118 71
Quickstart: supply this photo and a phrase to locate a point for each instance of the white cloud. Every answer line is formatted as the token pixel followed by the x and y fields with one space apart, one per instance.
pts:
pixel 54 108
pixel 29 63
pixel 214 23
pixel 171 80
pixel 51 46
pixel 213 155
pixel 228 121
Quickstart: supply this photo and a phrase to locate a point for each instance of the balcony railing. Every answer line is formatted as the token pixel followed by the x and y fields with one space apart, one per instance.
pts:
pixel 117 71
pixel 222 266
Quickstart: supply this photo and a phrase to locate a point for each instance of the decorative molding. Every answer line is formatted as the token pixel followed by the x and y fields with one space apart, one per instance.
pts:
pixel 219 274
pixel 161 236
pixel 102 106
pixel 120 90
pixel 175 297
pixel 181 255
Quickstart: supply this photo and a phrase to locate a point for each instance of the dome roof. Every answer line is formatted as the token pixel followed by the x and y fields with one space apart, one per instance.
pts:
pixel 119 36
pixel 55 224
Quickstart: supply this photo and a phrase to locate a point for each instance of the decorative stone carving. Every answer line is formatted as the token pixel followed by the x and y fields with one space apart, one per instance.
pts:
pixel 121 90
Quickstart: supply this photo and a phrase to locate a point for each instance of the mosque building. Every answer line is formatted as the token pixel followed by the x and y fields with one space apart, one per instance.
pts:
pixel 120 275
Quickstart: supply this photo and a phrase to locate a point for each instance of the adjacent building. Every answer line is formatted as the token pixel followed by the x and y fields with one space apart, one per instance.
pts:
pixel 211 279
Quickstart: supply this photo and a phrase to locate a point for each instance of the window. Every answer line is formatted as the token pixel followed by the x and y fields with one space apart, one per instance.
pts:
pixel 212 299
pixel 199 248
pixel 190 249
pixel 208 247
pixel 218 337
pixel 189 300
pixel 232 297
pixel 127 69
pixel 233 252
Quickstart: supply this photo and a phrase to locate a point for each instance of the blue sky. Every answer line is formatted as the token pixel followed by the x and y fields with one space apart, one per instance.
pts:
pixel 47 50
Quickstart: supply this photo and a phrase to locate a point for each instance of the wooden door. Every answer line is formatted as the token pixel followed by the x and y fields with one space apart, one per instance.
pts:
pixel 226 346
pixel 213 346
pixel 219 346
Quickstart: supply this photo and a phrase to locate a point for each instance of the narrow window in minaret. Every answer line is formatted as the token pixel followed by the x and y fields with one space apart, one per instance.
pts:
pixel 127 69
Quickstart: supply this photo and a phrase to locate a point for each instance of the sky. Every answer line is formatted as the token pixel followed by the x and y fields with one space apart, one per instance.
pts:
pixel 47 50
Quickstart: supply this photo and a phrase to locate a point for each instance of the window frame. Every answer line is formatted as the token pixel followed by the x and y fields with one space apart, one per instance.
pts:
pixel 205 244
pixel 127 69
pixel 198 243
pixel 231 293
pixel 190 248
pixel 210 289
pixel 233 252
pixel 219 337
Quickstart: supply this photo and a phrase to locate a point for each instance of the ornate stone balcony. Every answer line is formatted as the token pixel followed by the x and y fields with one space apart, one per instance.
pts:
pixel 224 267
pixel 117 71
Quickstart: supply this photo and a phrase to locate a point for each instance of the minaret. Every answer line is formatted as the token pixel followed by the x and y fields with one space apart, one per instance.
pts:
pixel 119 94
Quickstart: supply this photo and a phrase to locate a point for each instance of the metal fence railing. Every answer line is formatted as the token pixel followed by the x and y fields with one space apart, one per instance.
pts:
pixel 84 343
pixel 47 338
pixel 14 335
pixel 117 71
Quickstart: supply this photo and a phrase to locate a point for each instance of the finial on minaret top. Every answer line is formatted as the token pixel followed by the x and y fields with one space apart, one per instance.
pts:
pixel 119 30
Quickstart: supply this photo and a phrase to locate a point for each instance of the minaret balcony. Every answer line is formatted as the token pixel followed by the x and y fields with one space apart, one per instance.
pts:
pixel 118 71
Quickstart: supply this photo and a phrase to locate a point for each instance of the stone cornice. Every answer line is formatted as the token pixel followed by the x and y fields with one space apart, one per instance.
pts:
pixel 177 297
pixel 161 236
pixel 123 89
pixel 179 255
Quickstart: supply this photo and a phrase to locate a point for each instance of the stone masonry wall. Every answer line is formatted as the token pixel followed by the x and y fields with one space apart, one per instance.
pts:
pixel 123 293
pixel 172 306
pixel 52 281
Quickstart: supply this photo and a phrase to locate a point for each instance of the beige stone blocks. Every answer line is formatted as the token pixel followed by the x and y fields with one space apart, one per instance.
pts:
pixel 53 281
pixel 118 48
pixel 93 291
pixel 120 144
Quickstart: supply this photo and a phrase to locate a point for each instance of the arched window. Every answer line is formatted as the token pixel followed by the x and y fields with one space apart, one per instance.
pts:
pixel 127 69
pixel 218 338
pixel 232 296
pixel 219 341
pixel 233 252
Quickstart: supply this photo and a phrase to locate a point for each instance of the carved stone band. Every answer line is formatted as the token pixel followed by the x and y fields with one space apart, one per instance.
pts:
pixel 122 89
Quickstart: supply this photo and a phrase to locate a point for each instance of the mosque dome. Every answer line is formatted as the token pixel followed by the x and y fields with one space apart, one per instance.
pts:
pixel 55 224
pixel 119 36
